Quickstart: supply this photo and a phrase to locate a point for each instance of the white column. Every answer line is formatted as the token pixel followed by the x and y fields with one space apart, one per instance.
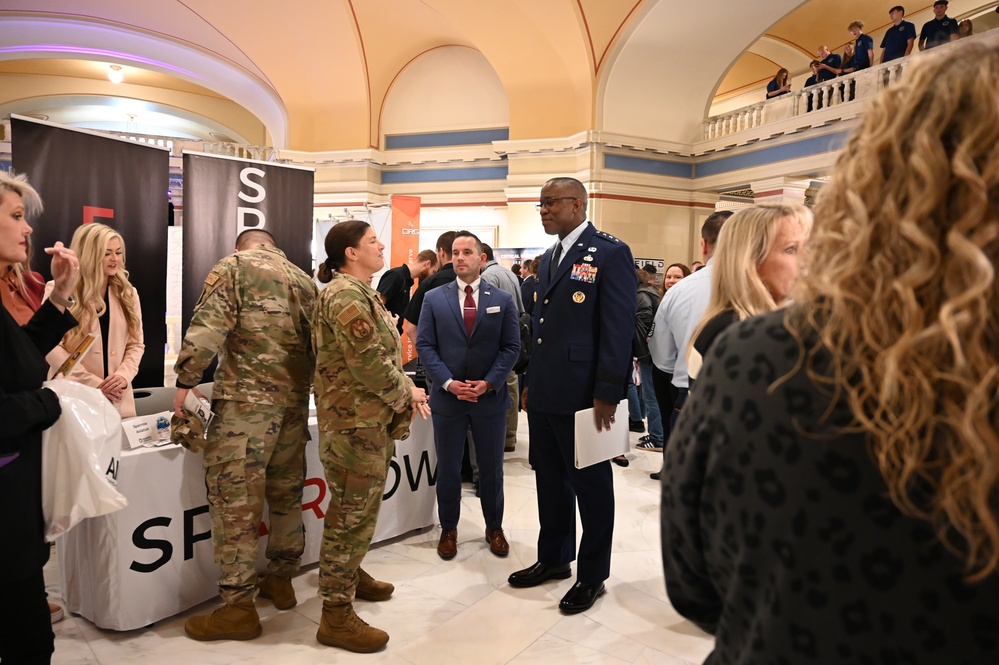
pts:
pixel 780 190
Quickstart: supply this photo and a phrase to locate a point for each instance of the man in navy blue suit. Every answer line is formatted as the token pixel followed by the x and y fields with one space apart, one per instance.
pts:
pixel 469 340
pixel 584 321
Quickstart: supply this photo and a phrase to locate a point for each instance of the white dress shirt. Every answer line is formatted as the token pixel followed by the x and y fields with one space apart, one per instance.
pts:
pixel 461 306
pixel 679 313
pixel 570 240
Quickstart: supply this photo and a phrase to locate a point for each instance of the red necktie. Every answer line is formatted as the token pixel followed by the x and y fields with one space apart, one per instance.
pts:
pixel 468 311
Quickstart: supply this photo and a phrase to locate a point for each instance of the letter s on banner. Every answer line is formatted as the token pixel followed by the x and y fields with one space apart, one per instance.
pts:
pixel 244 177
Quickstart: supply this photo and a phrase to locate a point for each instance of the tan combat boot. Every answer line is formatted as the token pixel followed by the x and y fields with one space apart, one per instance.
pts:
pixel 232 621
pixel 368 588
pixel 341 627
pixel 279 590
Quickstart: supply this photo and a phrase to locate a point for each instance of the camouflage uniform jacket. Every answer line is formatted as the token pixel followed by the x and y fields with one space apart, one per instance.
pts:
pixel 359 377
pixel 254 314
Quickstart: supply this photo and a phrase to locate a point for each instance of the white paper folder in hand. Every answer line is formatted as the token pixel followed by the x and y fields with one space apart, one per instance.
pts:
pixel 593 446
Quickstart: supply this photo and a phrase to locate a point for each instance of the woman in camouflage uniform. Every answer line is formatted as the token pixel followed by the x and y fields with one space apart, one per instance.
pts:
pixel 364 401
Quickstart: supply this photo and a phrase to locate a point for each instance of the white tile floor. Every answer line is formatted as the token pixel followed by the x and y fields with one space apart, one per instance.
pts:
pixel 458 611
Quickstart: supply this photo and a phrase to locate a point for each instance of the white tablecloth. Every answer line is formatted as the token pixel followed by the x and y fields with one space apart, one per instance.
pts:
pixel 154 558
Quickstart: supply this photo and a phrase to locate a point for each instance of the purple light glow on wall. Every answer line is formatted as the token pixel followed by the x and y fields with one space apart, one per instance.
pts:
pixel 101 53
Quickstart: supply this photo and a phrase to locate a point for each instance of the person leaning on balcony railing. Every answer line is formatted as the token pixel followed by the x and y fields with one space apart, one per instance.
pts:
pixel 829 64
pixel 899 38
pixel 847 64
pixel 938 30
pixel 780 85
pixel 814 79
pixel 863 53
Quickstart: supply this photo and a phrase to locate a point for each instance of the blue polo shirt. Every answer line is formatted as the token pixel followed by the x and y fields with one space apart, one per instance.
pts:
pixel 835 61
pixel 937 32
pixel 774 86
pixel 861 54
pixel 896 40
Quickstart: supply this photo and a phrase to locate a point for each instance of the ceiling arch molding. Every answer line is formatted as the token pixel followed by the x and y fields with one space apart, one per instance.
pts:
pixel 90 112
pixel 445 88
pixel 786 55
pixel 39 37
pixel 662 75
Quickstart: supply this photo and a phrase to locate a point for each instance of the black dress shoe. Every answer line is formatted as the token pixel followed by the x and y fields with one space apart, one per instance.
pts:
pixel 539 573
pixel 656 475
pixel 581 597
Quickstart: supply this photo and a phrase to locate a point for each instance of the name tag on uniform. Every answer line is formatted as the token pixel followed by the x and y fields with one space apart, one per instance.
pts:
pixel 584 272
pixel 492 310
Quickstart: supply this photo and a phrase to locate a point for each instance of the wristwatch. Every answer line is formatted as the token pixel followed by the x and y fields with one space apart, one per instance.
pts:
pixel 59 300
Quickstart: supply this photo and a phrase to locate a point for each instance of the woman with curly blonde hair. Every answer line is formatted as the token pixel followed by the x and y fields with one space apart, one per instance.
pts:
pixel 106 305
pixel 831 493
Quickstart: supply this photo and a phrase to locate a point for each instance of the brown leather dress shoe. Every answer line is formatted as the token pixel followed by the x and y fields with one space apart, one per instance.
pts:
pixel 497 542
pixel 448 545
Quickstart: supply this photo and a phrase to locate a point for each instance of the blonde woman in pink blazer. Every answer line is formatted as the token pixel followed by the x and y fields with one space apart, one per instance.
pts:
pixel 104 301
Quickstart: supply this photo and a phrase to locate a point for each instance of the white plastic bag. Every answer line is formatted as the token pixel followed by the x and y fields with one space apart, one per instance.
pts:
pixel 80 458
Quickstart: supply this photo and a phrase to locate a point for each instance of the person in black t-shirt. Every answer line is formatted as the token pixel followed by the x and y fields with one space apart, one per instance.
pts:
pixel 440 278
pixel 396 284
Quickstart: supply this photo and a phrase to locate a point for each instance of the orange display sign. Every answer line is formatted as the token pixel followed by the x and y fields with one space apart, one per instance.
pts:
pixel 405 247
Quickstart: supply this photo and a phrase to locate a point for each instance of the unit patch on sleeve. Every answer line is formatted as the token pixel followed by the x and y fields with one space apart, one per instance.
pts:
pixel 361 330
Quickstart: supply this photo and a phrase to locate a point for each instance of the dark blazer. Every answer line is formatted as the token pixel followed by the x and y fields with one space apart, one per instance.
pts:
pixel 25 410
pixel 583 323
pixel 449 353
pixel 527 292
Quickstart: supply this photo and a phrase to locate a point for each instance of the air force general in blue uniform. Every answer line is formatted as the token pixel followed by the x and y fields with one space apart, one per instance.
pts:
pixel 583 324
pixel 468 372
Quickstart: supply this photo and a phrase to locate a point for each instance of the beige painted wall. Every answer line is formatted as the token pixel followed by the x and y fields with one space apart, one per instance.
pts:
pixel 652 230
pixel 447 89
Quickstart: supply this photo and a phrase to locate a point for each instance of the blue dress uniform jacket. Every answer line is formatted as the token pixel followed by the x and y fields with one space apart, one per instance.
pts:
pixel 583 324
pixel 584 321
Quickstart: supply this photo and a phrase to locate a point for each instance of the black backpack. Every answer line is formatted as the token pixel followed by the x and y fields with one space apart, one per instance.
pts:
pixel 525 344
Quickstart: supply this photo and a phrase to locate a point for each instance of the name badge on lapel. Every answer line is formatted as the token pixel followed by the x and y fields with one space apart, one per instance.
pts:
pixel 584 272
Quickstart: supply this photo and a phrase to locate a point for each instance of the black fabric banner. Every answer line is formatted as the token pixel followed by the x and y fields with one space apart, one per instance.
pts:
pixel 224 196
pixel 83 177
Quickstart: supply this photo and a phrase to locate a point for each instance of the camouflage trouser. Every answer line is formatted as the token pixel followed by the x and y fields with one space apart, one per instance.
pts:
pixel 255 451
pixel 356 463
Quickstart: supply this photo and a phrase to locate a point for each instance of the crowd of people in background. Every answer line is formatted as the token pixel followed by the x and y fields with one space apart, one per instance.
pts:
pixel 898 42
pixel 823 394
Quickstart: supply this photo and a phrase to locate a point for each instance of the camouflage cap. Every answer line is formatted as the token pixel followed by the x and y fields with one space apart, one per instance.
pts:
pixel 188 433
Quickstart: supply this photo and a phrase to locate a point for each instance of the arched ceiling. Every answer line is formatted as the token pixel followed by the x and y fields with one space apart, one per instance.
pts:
pixel 328 64
pixel 315 73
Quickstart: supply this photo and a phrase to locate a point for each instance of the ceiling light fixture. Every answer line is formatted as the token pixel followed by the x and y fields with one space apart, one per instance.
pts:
pixel 115 75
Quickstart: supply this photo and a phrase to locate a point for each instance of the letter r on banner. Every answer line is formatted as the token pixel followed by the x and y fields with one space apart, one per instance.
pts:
pixel 92 213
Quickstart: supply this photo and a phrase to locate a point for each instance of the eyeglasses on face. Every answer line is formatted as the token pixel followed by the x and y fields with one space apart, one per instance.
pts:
pixel 550 201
